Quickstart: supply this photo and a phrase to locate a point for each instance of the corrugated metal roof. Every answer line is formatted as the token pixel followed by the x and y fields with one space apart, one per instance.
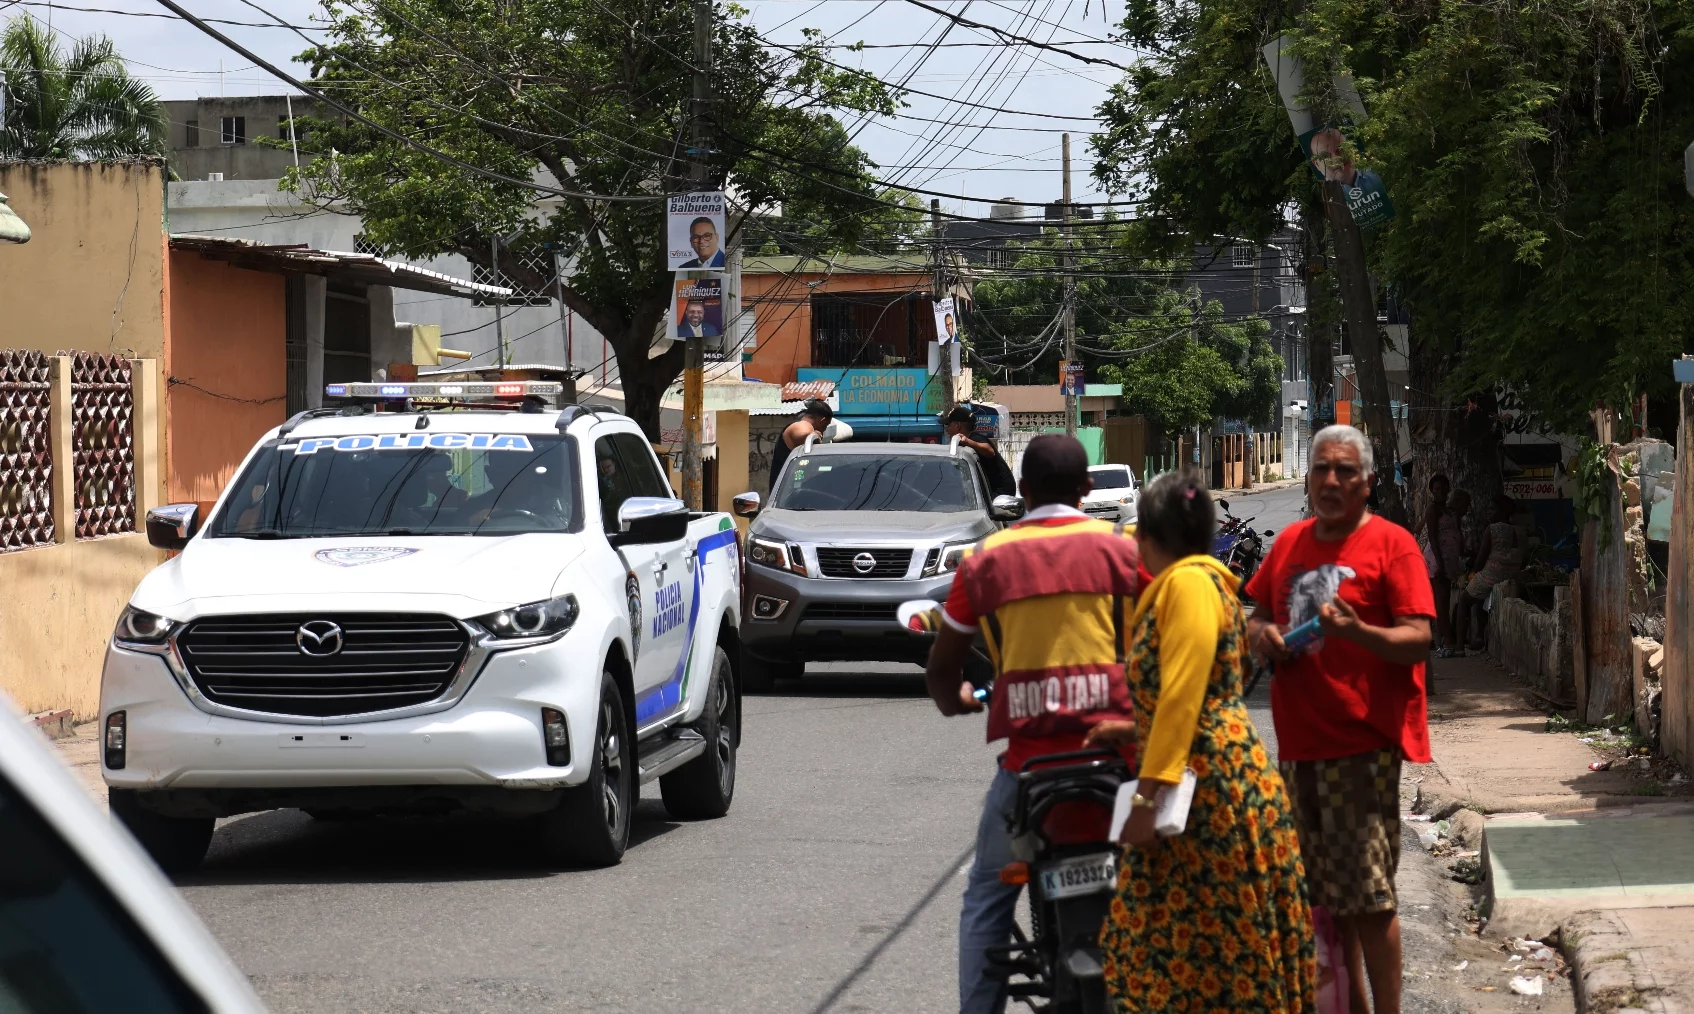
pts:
pixel 368 269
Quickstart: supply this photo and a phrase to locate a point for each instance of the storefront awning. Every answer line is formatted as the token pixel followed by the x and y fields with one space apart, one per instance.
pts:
pixel 893 427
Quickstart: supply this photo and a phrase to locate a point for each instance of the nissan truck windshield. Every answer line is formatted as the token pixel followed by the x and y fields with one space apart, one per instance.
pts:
pixel 865 482
pixel 420 483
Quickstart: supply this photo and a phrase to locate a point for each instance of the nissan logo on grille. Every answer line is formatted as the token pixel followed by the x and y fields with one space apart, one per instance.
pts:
pixel 320 638
pixel 864 563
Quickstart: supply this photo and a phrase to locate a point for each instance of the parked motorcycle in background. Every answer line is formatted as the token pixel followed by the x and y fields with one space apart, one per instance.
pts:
pixel 1237 545
pixel 1061 841
pixel 1242 549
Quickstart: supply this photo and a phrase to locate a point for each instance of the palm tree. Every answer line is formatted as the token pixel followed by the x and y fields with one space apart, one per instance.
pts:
pixel 81 106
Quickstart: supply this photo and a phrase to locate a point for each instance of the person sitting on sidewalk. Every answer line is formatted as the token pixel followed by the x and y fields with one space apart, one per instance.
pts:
pixel 1351 707
pixel 1498 558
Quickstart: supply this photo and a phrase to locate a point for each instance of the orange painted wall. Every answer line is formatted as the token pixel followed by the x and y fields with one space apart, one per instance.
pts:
pixel 784 313
pixel 227 328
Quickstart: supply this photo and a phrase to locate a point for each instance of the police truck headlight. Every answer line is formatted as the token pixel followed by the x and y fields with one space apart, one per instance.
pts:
pixel 535 621
pixel 136 626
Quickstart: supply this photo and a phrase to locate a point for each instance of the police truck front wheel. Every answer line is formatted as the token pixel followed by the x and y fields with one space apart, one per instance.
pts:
pixel 177 844
pixel 590 826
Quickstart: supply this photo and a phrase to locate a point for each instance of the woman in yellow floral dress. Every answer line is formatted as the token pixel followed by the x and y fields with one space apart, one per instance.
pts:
pixel 1213 919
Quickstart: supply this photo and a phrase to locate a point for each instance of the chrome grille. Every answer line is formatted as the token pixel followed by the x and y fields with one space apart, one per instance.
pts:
pixel 386 661
pixel 1102 509
pixel 835 561
pixel 851 611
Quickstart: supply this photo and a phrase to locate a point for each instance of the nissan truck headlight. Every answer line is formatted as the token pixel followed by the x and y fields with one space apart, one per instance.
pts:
pixel 950 558
pixel 137 626
pixel 776 555
pixel 543 620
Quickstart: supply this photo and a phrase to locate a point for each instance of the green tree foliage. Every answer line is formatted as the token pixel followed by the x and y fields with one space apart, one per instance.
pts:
pixel 1533 152
pixel 77 105
pixel 1182 366
pixel 594 97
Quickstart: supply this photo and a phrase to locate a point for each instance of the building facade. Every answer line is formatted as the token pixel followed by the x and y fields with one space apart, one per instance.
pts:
pixel 238 137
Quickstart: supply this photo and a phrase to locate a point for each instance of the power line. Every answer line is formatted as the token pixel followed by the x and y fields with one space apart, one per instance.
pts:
pixel 1009 37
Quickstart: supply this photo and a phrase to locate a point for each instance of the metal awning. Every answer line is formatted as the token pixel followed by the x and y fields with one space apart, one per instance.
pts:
pixel 347 266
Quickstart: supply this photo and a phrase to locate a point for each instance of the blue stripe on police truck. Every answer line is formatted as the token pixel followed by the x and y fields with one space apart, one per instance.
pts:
pixel 668 696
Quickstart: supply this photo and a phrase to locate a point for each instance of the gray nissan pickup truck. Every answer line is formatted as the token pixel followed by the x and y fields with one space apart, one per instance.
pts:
pixel 851 531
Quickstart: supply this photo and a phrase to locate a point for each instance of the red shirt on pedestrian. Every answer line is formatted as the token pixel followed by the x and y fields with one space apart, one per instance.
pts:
pixel 1343 699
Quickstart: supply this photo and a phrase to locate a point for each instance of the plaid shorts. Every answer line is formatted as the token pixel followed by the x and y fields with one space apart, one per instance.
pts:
pixel 1348 814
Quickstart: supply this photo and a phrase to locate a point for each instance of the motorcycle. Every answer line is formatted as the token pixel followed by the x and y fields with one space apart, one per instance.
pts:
pixel 1242 549
pixel 1063 852
pixel 1237 545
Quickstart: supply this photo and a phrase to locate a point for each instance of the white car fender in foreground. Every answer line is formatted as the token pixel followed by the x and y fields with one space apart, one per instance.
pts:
pixel 28 765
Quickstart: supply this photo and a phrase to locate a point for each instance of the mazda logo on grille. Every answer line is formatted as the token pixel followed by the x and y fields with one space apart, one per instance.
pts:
pixel 864 563
pixel 321 638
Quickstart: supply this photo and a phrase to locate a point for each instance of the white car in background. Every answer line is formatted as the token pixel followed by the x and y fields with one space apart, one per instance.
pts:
pixel 87 923
pixel 1115 493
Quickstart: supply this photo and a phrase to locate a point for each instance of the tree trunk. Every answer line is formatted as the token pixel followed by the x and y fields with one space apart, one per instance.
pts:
pixel 645 380
pixel 1323 317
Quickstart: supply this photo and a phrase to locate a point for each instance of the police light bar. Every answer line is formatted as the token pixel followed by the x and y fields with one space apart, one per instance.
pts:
pixel 466 390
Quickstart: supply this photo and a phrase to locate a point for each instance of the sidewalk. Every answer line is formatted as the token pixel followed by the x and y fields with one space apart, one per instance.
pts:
pixel 1602 859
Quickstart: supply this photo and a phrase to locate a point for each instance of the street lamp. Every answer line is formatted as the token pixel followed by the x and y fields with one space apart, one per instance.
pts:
pixel 12 228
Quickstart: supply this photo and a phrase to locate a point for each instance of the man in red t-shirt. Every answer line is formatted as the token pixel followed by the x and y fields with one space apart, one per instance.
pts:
pixel 1349 708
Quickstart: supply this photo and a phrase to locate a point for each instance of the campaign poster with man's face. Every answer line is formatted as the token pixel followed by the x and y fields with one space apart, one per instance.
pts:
pixel 1331 158
pixel 697 308
pixel 694 231
pixel 946 321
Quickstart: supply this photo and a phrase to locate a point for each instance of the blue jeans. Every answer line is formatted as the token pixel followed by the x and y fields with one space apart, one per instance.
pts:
pixel 990 907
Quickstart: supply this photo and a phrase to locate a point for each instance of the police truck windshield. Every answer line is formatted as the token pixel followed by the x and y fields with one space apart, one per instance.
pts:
pixel 421 483
pixel 854 482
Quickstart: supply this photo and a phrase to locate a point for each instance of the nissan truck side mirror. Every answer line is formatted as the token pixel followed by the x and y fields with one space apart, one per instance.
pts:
pixel 171 526
pixel 1006 508
pixel 745 505
pixel 644 520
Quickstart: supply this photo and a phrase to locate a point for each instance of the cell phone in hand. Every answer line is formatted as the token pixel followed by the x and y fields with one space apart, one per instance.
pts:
pixel 1303 636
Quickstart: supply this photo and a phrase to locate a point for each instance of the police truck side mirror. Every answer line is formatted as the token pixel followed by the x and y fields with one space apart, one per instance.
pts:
pixel 746 505
pixel 1006 508
pixel 644 520
pixel 171 526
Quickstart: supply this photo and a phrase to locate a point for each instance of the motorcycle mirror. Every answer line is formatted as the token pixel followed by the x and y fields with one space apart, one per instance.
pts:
pixel 1270 531
pixel 920 617
pixel 1224 504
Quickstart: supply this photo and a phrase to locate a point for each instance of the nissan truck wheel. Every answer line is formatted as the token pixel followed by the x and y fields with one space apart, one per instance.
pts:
pixel 703 788
pixel 759 676
pixel 590 826
pixel 177 844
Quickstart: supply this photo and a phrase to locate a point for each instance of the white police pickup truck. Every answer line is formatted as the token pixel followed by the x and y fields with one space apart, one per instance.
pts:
pixel 482 608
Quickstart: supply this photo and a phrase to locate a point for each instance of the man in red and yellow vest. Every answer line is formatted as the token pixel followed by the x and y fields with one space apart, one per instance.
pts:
pixel 1052 597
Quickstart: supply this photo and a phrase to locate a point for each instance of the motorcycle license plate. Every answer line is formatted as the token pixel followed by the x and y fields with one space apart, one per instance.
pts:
pixel 1082 875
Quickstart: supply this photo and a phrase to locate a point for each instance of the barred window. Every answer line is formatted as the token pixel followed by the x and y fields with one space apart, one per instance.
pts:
pixel 538 260
pixel 362 244
pixel 1243 255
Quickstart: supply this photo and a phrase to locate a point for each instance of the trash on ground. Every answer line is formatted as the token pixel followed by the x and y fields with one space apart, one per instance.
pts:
pixel 1544 954
pixel 1599 765
pixel 1525 985
pixel 1461 966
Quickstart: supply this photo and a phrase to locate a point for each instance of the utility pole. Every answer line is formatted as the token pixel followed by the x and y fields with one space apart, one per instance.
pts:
pixel 1073 404
pixel 569 394
pixel 949 396
pixel 499 301
pixel 694 352
pixel 1359 308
